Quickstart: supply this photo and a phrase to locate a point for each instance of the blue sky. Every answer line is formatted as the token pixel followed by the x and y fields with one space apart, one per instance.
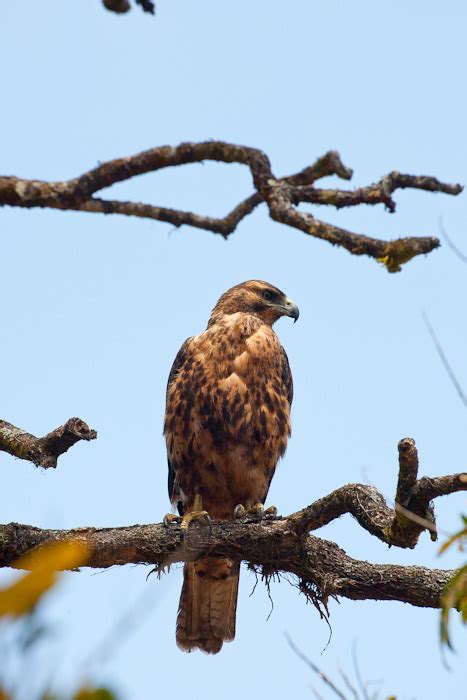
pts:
pixel 96 307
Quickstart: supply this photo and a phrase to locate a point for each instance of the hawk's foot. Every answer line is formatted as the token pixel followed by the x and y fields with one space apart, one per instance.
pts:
pixel 256 511
pixel 239 511
pixel 201 516
pixel 171 519
pixel 184 522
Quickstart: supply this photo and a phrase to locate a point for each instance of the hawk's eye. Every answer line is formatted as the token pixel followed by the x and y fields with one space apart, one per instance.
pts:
pixel 267 295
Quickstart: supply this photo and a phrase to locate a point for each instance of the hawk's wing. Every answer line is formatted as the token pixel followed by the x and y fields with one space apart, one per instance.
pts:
pixel 287 376
pixel 177 363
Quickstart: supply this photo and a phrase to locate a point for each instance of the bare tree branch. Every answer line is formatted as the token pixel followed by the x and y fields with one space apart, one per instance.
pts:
pixel 147 6
pixel 281 195
pixel 283 544
pixel 44 451
pixel 400 526
pixel 378 193
pixel 323 568
pixel 117 6
pixel 123 6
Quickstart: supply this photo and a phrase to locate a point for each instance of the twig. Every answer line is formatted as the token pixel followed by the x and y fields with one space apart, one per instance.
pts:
pixel 451 243
pixel 315 669
pixel 356 666
pixel 349 685
pixel 444 359
pixel 119 633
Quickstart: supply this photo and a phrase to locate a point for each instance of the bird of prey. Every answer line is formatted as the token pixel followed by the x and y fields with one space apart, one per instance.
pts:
pixel 226 425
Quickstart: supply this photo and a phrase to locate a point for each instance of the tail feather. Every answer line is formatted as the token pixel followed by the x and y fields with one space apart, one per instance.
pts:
pixel 208 605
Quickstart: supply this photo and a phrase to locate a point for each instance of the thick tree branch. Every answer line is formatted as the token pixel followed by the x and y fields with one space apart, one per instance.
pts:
pixel 278 544
pixel 281 195
pixel 44 451
pixel 272 546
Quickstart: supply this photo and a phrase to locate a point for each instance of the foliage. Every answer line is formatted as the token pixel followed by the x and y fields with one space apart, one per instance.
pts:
pixel 43 565
pixel 19 602
pixel 455 593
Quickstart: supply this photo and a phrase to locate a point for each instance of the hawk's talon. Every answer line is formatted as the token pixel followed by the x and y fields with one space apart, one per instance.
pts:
pixel 256 511
pixel 272 510
pixel 170 519
pixel 198 515
pixel 239 511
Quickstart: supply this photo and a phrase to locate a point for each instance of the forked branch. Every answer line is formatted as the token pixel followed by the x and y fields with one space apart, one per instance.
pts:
pixel 400 526
pixel 281 195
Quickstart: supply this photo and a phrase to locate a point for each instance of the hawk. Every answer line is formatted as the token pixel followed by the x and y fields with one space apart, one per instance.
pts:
pixel 226 426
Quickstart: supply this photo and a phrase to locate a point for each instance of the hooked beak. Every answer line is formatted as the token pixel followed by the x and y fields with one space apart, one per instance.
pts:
pixel 290 309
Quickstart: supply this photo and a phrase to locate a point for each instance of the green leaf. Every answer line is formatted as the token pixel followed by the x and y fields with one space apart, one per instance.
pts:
pixel 454 595
pixel 458 537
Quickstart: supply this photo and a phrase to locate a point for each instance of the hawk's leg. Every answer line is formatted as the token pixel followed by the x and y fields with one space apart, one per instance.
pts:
pixel 256 510
pixel 196 514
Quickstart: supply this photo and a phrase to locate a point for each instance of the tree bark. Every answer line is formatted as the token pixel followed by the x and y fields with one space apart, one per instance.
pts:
pixel 270 547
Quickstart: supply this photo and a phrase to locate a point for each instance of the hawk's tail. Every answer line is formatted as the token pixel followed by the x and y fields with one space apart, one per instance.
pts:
pixel 208 605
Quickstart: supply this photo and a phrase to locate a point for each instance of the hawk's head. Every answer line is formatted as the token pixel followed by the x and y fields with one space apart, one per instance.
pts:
pixel 256 297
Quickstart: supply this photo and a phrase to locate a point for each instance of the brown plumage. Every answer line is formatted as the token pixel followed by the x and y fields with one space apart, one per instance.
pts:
pixel 226 426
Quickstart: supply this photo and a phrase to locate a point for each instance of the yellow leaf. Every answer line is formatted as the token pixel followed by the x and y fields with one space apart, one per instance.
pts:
pixel 43 564
pixel 94 694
